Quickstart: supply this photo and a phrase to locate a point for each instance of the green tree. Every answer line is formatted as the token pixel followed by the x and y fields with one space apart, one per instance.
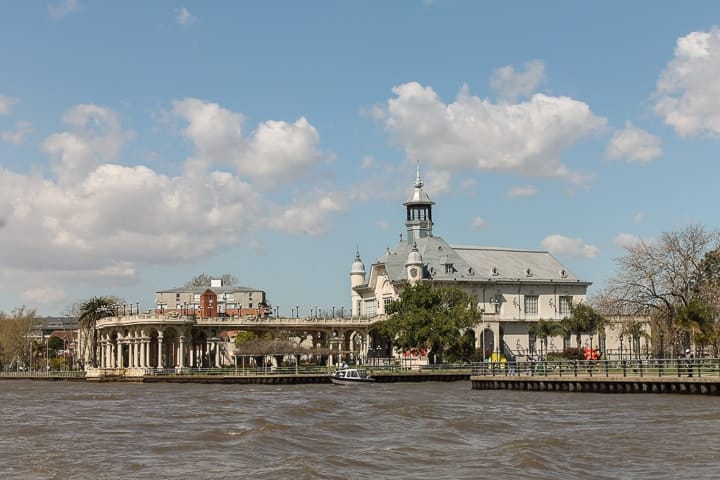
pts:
pixel 435 318
pixel 583 320
pixel 543 329
pixel 91 311
pixel 697 321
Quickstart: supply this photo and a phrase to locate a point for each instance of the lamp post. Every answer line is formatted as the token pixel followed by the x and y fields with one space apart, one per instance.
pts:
pixel 662 351
pixel 342 312
pixel 333 311
pixel 297 311
pixel 621 348
pixel 137 308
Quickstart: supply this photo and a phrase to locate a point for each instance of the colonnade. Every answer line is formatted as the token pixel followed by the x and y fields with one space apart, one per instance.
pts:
pixel 138 350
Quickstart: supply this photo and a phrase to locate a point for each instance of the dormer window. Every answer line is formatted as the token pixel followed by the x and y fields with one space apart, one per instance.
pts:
pixel 563 274
pixel 494 272
pixel 528 272
pixel 449 268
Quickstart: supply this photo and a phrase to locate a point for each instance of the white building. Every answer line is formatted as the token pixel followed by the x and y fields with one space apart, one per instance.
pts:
pixel 514 288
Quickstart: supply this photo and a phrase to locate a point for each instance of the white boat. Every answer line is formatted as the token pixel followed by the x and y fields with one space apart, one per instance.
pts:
pixel 349 376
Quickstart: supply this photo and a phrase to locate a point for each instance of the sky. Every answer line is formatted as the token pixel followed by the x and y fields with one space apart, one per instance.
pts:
pixel 144 143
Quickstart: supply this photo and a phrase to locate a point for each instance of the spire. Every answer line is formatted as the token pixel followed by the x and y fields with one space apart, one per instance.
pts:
pixel 418 181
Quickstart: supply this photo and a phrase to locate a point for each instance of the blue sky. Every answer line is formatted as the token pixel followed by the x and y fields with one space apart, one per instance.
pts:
pixel 142 143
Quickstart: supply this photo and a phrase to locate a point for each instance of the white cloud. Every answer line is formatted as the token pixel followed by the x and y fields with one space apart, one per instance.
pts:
pixel 95 221
pixel 276 151
pixel 528 191
pixel 688 93
pixel 62 8
pixel 184 17
pixel 375 112
pixel 639 217
pixel 570 247
pixel 627 240
pixel 367 162
pixel 469 183
pixel 306 215
pixel 473 133
pixel 17 136
pixel 6 104
pixel 258 247
pixel 96 137
pixel 44 296
pixel 510 85
pixel 634 145
pixel 478 223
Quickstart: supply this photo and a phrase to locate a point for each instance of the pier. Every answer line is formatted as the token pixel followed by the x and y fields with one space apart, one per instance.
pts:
pixel 637 376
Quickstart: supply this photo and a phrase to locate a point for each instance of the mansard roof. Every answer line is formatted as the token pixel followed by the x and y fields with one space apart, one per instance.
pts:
pixel 477 264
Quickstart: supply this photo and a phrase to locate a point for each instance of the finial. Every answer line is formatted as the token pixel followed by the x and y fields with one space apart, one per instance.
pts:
pixel 418 182
pixel 401 236
pixel 357 252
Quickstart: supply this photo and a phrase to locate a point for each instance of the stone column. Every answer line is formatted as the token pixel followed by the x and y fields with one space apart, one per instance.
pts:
pixel 144 352
pixel 159 357
pixel 181 353
pixel 119 349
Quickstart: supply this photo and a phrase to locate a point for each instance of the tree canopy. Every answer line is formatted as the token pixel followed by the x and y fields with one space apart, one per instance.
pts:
pixel 90 312
pixel 663 278
pixel 583 320
pixel 14 334
pixel 431 317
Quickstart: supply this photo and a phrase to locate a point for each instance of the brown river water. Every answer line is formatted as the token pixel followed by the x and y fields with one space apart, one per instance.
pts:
pixel 77 430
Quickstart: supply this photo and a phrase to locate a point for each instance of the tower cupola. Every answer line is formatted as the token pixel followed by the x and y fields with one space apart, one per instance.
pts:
pixel 419 212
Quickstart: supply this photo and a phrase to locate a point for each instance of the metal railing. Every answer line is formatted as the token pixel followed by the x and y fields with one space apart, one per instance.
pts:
pixel 43 373
pixel 697 368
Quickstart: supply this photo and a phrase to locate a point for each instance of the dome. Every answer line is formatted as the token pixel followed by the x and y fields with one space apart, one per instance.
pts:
pixel 357 266
pixel 414 257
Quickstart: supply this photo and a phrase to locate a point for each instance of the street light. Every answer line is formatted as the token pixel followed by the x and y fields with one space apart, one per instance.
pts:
pixel 297 311
pixel 621 348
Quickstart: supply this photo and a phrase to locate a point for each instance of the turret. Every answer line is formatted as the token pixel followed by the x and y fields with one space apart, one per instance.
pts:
pixel 357 278
pixel 414 265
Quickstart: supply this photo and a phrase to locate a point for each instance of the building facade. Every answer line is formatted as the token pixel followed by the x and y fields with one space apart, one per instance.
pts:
pixel 226 300
pixel 514 288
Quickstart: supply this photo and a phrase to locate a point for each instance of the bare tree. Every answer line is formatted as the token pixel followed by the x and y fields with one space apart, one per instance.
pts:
pixel 15 347
pixel 204 280
pixel 662 277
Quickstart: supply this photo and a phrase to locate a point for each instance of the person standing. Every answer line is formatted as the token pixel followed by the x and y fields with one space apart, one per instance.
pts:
pixel 689 362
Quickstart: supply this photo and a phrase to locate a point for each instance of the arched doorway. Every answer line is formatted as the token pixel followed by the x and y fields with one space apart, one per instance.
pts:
pixel 487 343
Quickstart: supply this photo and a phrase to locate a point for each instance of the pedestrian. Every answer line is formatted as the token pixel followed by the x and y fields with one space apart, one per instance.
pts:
pixel 689 362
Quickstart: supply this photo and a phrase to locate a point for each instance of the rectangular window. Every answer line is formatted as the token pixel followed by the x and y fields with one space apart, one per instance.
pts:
pixel 564 305
pixel 370 308
pixel 177 297
pixel 386 302
pixel 531 304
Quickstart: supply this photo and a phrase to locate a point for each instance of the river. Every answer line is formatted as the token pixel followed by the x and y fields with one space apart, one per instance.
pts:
pixel 77 430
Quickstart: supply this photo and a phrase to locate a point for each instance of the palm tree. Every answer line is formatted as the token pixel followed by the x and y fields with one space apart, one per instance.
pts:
pixel 544 329
pixel 90 312
pixel 583 319
pixel 634 330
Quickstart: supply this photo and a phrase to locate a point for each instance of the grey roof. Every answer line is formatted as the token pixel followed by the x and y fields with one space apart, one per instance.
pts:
pixel 216 290
pixel 472 263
